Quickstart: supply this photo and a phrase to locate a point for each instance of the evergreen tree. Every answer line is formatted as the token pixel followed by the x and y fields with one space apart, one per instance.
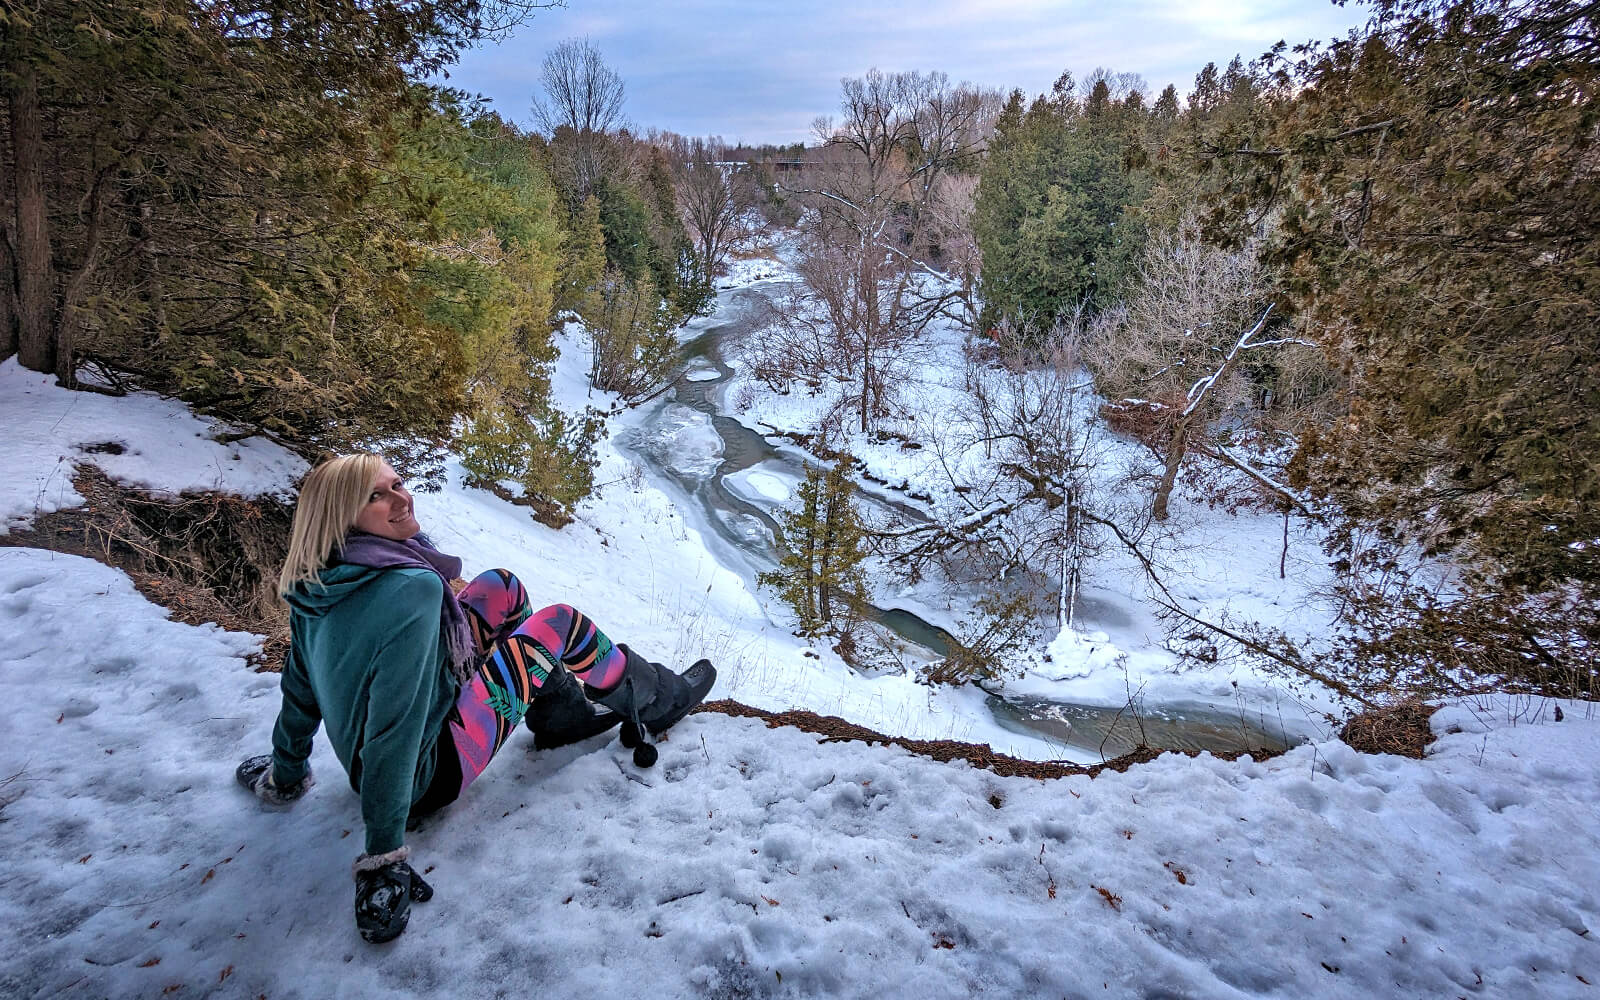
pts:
pixel 490 277
pixel 1439 213
pixel 584 260
pixel 820 576
pixel 1050 202
pixel 549 455
pixel 633 332
pixel 1165 111
pixel 625 219
pixel 992 641
pixel 673 263
pixel 194 197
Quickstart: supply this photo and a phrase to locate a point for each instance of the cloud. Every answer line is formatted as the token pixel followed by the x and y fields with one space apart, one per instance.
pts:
pixel 763 71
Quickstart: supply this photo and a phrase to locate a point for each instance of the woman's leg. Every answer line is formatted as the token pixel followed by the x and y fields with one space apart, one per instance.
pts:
pixel 497 697
pixel 562 634
pixel 496 603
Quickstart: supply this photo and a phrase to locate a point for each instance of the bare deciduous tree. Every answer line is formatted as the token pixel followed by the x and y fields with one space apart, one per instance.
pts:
pixel 581 91
pixel 872 231
pixel 1029 508
pixel 713 195
pixel 582 106
pixel 1191 358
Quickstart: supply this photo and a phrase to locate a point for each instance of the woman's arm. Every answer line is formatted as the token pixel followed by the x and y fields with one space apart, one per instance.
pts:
pixel 298 720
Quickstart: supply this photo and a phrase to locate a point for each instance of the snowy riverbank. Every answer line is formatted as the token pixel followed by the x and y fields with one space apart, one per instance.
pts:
pixel 1226 565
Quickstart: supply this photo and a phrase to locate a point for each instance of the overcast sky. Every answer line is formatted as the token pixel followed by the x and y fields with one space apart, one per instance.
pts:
pixel 761 71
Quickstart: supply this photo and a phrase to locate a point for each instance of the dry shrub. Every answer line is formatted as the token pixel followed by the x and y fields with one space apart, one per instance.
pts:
pixel 1146 423
pixel 206 557
pixel 1400 729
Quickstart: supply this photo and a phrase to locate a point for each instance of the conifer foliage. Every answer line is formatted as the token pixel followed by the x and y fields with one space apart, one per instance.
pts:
pixel 250 204
pixel 1051 208
pixel 820 576
pixel 1441 238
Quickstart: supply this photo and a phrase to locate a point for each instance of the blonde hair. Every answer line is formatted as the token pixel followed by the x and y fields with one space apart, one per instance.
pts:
pixel 330 498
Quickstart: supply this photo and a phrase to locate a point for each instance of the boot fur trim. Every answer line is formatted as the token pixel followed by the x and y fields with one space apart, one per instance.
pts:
pixel 272 794
pixel 372 862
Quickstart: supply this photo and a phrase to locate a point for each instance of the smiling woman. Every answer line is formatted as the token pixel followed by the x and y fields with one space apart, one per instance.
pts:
pixel 388 512
pixel 420 677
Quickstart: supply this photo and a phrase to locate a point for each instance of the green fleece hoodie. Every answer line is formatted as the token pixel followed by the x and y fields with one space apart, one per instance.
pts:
pixel 366 659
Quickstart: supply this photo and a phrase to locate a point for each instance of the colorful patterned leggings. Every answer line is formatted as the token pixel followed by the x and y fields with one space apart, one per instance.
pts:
pixel 524 647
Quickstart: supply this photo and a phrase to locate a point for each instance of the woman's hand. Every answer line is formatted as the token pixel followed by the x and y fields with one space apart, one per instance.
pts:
pixel 386 886
pixel 457 585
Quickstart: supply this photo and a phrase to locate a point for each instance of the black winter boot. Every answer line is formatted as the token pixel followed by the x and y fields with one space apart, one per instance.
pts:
pixel 652 699
pixel 560 714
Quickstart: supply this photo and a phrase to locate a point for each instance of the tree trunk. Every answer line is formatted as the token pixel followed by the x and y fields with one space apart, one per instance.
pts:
pixel 868 289
pixel 76 288
pixel 811 618
pixel 8 297
pixel 1169 475
pixel 150 276
pixel 824 569
pixel 1283 557
pixel 866 380
pixel 36 340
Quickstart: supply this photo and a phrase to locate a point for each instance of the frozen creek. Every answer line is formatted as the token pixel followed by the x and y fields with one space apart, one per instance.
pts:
pixel 730 480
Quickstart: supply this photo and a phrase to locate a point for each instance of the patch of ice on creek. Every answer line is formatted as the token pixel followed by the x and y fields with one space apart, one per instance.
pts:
pixel 759 487
pixel 750 530
pixel 683 441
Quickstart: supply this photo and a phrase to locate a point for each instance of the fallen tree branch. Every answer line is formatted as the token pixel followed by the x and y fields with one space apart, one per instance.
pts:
pixel 1223 455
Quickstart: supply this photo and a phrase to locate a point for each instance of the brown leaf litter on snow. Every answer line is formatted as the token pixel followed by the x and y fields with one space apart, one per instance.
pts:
pixel 833 729
pixel 1400 729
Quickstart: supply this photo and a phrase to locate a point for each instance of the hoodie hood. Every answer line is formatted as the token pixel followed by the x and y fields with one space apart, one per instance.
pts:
pixel 338 582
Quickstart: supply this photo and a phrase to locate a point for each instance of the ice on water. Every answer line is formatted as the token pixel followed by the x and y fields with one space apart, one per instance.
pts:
pixel 683 440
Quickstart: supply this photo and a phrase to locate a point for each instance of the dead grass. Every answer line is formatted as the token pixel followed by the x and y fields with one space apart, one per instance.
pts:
pixel 1400 729
pixel 206 557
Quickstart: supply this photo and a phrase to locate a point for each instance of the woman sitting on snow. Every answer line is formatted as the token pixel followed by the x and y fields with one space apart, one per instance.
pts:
pixel 419 686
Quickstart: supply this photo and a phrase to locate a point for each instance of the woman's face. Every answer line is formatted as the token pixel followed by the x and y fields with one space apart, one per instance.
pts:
pixel 388 512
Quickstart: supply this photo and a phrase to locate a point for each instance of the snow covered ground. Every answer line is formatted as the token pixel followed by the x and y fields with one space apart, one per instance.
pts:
pixel 754 862
pixel 749 862
pixel 140 440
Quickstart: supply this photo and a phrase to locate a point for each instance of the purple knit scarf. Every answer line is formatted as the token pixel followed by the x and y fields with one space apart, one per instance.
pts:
pixel 376 552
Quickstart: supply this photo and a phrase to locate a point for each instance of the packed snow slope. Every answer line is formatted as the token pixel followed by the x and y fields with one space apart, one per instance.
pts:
pixel 141 441
pixel 631 561
pixel 757 862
